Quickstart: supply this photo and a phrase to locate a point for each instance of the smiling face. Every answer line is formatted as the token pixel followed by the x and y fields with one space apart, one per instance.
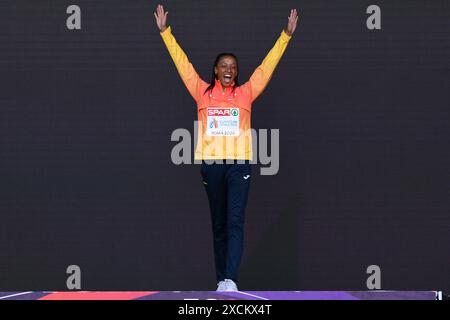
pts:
pixel 226 70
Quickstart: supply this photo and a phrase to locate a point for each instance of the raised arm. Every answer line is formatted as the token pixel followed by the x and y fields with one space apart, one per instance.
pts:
pixel 262 75
pixel 187 72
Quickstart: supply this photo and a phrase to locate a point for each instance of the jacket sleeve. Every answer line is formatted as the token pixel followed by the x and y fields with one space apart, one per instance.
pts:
pixel 187 72
pixel 262 75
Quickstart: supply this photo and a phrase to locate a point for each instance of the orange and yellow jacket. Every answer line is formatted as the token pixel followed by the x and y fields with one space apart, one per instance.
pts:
pixel 224 129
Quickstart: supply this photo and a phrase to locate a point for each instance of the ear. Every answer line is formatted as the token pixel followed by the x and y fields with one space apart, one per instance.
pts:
pixel 215 71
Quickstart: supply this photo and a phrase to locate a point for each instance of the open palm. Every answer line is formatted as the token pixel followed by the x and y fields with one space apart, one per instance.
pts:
pixel 292 22
pixel 161 17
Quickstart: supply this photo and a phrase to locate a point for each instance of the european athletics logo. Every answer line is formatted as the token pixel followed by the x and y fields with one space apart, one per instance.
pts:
pixel 214 123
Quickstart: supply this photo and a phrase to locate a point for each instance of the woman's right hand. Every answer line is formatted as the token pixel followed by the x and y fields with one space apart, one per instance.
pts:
pixel 161 17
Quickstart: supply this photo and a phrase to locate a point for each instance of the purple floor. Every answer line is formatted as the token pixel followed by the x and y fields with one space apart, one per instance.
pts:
pixel 240 295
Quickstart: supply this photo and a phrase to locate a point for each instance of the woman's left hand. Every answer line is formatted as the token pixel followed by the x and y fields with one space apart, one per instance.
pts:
pixel 292 22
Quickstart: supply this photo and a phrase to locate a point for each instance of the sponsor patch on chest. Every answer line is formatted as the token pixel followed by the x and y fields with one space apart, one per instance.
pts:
pixel 222 121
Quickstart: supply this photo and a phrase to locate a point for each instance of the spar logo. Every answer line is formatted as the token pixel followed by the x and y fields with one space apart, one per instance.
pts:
pixel 224 112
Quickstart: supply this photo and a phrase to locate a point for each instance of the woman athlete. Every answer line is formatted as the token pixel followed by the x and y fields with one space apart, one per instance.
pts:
pixel 224 137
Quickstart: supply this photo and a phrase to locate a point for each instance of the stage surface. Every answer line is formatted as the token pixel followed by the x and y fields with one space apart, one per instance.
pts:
pixel 213 295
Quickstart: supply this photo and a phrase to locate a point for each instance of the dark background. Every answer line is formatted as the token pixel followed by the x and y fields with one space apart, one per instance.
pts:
pixel 85 124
